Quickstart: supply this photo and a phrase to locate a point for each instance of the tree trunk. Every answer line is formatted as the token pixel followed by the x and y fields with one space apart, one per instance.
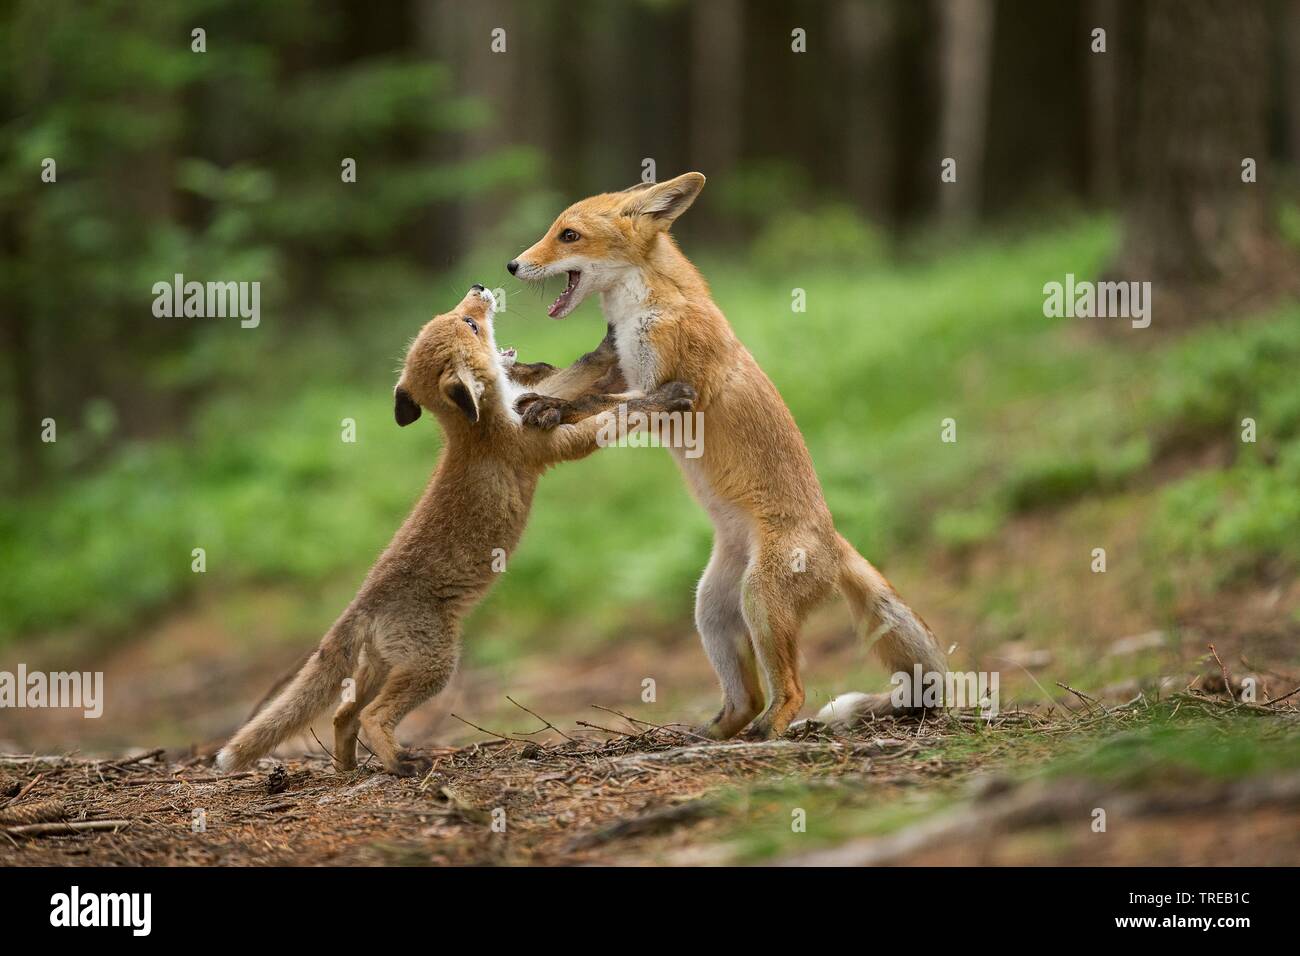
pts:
pixel 460 36
pixel 1194 229
pixel 21 352
pixel 1291 81
pixel 1103 74
pixel 966 56
pixel 866 34
pixel 717 32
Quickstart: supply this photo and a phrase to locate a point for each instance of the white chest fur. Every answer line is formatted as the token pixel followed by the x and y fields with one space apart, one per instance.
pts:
pixel 632 317
pixel 636 355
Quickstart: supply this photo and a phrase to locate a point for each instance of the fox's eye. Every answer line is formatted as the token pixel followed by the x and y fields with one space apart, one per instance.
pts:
pixel 473 326
pixel 569 236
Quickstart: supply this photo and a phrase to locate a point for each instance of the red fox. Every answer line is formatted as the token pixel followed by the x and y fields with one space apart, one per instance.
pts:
pixel 776 552
pixel 399 639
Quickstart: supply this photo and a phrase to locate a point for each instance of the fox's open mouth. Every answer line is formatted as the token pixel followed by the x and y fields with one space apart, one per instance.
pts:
pixel 562 306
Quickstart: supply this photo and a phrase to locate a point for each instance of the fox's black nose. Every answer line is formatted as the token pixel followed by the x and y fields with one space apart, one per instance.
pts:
pixel 476 288
pixel 512 266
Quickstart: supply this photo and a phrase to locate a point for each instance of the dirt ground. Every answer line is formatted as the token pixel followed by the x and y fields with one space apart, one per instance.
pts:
pixel 628 799
pixel 644 794
pixel 556 757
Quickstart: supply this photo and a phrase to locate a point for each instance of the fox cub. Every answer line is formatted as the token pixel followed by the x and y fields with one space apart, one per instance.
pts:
pixel 399 639
pixel 776 552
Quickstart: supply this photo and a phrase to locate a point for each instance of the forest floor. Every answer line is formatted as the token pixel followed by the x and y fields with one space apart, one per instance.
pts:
pixel 1115 743
pixel 1148 712
pixel 1143 758
pixel 952 790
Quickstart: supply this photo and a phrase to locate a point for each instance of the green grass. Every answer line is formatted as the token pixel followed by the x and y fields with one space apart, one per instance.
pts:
pixel 1164 748
pixel 763 818
pixel 263 482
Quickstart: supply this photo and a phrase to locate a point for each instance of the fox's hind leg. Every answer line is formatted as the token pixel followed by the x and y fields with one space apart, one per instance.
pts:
pixel 778 592
pixel 347 719
pixel 725 636
pixel 407 685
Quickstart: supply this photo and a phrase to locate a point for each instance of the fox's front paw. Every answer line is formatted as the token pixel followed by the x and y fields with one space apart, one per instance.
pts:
pixel 540 411
pixel 508 356
pixel 675 396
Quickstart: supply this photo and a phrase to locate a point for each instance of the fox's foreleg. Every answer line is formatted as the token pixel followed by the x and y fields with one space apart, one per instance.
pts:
pixel 530 373
pixel 543 411
pixel 569 442
pixel 590 385
pixel 595 372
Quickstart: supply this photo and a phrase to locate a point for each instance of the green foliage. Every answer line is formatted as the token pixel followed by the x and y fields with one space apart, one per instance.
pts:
pixel 220 165
pixel 960 529
pixel 1161 749
pixel 761 190
pixel 263 482
pixel 1248 514
pixel 829 236
pixel 796 229
pixel 1165 749
pixel 1240 518
pixel 1231 373
pixel 1288 222
pixel 760 819
pixel 1052 481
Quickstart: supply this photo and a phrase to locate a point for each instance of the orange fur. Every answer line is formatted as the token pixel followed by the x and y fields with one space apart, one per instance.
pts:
pixel 776 552
pixel 399 639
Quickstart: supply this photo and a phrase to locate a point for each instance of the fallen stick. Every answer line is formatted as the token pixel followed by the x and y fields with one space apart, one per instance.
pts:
pixel 1048 804
pixel 26 760
pixel 679 731
pixel 57 829
pixel 1087 701
pixel 211 778
pixel 549 725
pixel 1279 700
pixel 130 761
pixel 26 790
pixel 768 748
pixel 1223 669
pixel 609 730
pixel 653 822
pixel 491 733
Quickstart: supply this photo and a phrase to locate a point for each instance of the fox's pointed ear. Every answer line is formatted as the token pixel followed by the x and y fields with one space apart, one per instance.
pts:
pixel 461 390
pixel 664 202
pixel 405 409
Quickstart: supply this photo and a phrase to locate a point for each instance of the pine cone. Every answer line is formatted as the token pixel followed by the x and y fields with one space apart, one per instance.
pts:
pixel 42 811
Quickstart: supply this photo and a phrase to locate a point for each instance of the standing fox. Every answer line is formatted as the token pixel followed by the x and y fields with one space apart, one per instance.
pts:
pixel 776 552
pixel 399 639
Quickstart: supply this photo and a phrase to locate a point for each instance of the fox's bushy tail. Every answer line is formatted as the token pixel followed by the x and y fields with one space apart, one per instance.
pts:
pixel 901 639
pixel 316 685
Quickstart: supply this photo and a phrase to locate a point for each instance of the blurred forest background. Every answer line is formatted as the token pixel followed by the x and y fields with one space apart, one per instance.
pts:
pixel 824 166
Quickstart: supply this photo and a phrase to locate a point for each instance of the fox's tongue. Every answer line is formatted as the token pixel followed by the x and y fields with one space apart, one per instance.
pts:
pixel 560 306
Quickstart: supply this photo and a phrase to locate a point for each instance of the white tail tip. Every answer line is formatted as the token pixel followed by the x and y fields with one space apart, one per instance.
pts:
pixel 845 709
